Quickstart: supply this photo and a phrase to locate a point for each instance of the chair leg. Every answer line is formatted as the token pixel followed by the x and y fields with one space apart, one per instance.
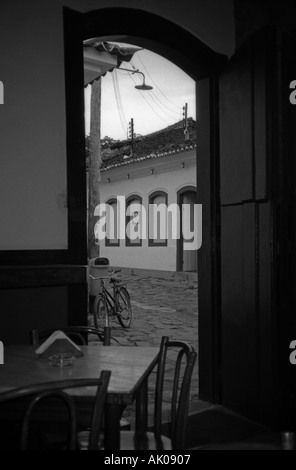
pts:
pixel 107 335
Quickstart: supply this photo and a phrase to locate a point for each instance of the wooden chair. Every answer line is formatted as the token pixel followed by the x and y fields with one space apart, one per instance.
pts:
pixel 35 394
pixel 78 334
pixel 180 394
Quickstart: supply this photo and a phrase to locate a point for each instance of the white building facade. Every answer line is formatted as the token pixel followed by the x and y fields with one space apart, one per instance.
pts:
pixel 168 178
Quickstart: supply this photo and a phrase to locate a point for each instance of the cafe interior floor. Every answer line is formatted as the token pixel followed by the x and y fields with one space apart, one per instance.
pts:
pixel 168 306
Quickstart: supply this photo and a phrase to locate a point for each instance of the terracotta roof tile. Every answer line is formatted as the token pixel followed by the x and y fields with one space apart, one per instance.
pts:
pixel 165 142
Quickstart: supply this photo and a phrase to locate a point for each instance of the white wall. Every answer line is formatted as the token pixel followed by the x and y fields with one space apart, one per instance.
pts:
pixel 145 257
pixel 32 126
pixel 32 119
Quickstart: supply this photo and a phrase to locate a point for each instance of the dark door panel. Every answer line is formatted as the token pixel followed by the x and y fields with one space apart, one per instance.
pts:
pixel 248 344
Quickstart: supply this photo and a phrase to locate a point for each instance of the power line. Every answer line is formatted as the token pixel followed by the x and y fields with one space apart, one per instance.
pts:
pixel 154 98
pixel 130 74
pixel 117 96
pixel 155 112
pixel 161 105
pixel 177 113
pixel 120 101
pixel 178 107
pixel 122 118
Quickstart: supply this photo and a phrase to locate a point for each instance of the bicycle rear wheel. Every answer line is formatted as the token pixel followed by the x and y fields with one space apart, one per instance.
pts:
pixel 101 318
pixel 124 314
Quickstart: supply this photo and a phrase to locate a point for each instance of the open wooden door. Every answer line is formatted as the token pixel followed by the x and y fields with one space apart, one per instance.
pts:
pixel 248 100
pixel 239 282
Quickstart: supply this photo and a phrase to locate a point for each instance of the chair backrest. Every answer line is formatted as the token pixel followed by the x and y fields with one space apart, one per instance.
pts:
pixel 36 400
pixel 185 358
pixel 78 334
pixel 59 390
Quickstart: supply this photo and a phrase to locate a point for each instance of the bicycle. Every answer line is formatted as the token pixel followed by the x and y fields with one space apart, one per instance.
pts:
pixel 116 305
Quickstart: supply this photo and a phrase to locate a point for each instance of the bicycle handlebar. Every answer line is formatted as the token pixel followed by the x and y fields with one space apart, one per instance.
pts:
pixel 97 278
pixel 105 277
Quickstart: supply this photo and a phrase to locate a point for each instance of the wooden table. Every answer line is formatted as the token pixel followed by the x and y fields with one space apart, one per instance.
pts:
pixel 130 367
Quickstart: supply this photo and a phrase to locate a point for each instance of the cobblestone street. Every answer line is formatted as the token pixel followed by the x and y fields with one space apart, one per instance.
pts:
pixel 161 306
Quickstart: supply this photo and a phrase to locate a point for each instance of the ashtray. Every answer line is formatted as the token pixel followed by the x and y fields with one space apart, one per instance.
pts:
pixel 62 360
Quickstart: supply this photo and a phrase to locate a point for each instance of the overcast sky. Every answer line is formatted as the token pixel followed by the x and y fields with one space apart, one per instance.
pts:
pixel 151 110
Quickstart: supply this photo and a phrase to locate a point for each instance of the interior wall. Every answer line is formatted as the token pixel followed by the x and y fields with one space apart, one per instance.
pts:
pixel 32 127
pixel 33 173
pixel 209 20
pixel 25 309
pixel 33 144
pixel 251 15
pixel 33 189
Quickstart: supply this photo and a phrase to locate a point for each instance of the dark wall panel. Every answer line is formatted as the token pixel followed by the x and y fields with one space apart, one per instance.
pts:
pixel 249 348
pixel 268 329
pixel 24 309
pixel 250 283
pixel 236 131
pixel 245 118
pixel 239 320
pixel 207 289
pixel 42 308
pixel 233 321
pixel 260 117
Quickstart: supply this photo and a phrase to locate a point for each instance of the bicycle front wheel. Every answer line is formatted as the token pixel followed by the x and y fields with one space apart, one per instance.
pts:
pixel 101 318
pixel 124 314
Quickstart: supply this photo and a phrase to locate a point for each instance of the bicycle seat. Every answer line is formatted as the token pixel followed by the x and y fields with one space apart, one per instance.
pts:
pixel 115 278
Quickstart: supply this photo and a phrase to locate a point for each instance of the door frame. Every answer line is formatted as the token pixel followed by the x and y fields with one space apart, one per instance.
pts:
pixel 180 250
pixel 200 63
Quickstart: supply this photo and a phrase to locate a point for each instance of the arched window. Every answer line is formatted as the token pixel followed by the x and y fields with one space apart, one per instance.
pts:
pixel 134 221
pixel 112 236
pixel 158 230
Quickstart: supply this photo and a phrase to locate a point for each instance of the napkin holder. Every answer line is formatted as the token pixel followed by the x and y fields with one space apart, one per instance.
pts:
pixel 56 344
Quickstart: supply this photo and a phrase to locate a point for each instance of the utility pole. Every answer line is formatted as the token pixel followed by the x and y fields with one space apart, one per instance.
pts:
pixel 185 121
pixel 94 166
pixel 131 134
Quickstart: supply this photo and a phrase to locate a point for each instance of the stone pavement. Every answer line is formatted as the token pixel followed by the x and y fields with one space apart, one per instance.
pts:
pixel 161 306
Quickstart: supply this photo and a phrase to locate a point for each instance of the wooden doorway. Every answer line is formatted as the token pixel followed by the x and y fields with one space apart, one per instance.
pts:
pixel 200 63
pixel 186 259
